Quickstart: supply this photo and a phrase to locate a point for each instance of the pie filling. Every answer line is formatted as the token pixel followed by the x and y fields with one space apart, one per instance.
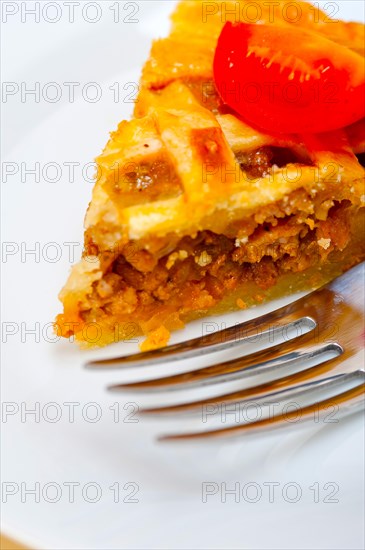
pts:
pixel 140 292
pixel 155 285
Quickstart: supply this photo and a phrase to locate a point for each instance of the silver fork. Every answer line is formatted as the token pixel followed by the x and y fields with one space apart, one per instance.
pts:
pixel 320 359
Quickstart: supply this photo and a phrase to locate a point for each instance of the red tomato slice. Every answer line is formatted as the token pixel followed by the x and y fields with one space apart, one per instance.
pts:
pixel 285 79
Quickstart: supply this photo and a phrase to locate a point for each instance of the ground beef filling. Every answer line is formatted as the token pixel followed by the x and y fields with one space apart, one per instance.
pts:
pixel 258 163
pixel 201 271
pixel 361 159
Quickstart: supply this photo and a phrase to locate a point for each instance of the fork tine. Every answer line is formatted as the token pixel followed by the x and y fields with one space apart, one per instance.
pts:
pixel 255 393
pixel 286 322
pixel 279 362
pixel 348 402
pixel 307 389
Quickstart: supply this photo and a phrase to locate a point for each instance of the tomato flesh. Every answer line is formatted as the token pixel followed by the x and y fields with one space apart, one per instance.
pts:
pixel 284 79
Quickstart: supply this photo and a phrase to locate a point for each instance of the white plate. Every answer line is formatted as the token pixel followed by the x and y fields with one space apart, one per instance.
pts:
pixel 322 460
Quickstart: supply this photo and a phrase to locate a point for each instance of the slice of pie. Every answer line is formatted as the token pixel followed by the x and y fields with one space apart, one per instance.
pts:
pixel 195 211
